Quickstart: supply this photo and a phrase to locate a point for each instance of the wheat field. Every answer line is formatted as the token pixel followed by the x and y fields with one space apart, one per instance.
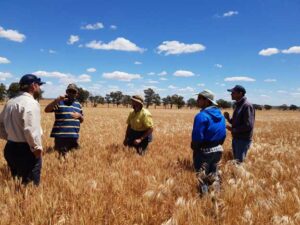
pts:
pixel 105 183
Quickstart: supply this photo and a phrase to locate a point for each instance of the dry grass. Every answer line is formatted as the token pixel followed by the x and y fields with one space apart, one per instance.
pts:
pixel 104 183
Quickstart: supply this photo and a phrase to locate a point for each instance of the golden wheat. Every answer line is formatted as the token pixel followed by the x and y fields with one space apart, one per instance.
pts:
pixel 105 183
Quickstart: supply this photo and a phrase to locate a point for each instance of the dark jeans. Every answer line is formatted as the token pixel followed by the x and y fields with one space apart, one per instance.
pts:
pixel 22 162
pixel 240 148
pixel 142 147
pixel 206 165
pixel 64 145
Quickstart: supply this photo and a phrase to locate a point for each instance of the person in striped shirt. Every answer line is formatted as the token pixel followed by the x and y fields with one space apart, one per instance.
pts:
pixel 68 117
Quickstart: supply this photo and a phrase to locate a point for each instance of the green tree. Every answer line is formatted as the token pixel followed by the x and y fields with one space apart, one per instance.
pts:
pixel 13 90
pixel 177 100
pixel 149 97
pixel 192 103
pixel 267 107
pixel 293 107
pixel 126 100
pixel 156 100
pixel 224 104
pixel 2 92
pixel 116 97
pixel 166 101
pixel 107 99
pixel 83 95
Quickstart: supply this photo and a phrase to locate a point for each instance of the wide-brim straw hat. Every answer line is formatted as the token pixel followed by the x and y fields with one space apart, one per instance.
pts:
pixel 138 99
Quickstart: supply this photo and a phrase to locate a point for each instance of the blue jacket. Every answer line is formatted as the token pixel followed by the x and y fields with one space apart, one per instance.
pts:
pixel 209 128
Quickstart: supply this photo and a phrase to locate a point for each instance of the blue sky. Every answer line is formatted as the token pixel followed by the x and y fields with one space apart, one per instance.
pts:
pixel 173 47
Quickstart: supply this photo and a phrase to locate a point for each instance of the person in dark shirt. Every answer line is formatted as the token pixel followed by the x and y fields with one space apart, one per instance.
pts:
pixel 68 117
pixel 241 124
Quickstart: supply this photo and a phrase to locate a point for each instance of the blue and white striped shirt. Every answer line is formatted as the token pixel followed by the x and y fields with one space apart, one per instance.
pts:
pixel 65 126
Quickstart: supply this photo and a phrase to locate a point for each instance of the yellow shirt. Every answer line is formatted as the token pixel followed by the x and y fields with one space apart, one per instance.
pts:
pixel 141 120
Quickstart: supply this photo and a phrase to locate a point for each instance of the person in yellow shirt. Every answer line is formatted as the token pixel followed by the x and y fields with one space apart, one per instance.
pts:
pixel 139 126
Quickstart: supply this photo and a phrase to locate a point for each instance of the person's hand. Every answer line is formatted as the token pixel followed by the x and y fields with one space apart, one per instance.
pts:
pixel 229 128
pixel 226 115
pixel 61 98
pixel 37 153
pixel 75 115
pixel 137 141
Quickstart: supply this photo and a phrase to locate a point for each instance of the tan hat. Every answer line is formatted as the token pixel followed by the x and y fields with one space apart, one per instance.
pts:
pixel 72 87
pixel 208 95
pixel 138 98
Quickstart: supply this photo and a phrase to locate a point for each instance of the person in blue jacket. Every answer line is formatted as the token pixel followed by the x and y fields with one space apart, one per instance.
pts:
pixel 208 135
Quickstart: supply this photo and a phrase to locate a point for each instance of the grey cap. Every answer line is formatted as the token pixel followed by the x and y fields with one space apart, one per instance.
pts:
pixel 72 87
pixel 208 95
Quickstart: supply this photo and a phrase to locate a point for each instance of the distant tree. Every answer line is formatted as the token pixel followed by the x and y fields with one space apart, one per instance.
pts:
pixel 116 97
pixel 192 103
pixel 257 107
pixel 283 107
pixel 293 107
pixel 2 92
pixel 83 95
pixel 267 107
pixel 13 90
pixel 224 104
pixel 149 97
pixel 177 100
pixel 166 101
pixel 95 100
pixel 108 99
pixel 156 100
pixel 126 100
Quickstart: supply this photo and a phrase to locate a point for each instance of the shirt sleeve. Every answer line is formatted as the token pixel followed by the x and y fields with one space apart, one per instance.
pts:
pixel 3 134
pixel 32 127
pixel 148 121
pixel 128 118
pixel 199 127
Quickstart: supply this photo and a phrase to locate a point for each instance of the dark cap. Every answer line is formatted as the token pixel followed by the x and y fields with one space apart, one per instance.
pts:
pixel 237 88
pixel 72 87
pixel 29 79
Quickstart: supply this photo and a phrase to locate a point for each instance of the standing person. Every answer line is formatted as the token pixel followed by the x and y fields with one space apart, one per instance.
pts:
pixel 139 126
pixel 68 116
pixel 242 123
pixel 208 135
pixel 20 125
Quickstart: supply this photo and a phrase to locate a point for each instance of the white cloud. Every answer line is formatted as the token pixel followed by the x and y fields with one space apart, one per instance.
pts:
pixel 137 63
pixel 4 60
pixel 64 78
pixel 120 44
pixel 151 73
pixel 163 79
pixel 84 78
pixel 162 73
pixel 73 39
pixel 246 79
pixel 183 73
pixel 122 76
pixel 265 96
pixel 201 85
pixel 172 87
pixel 91 70
pixel 186 89
pixel 4 76
pixel 95 26
pixel 292 50
pixel 113 27
pixel 52 51
pixel 49 82
pixel 230 13
pixel 12 35
pixel 295 94
pixel 281 92
pixel 269 51
pixel 153 82
pixel 176 48
pixel 219 66
pixel 270 80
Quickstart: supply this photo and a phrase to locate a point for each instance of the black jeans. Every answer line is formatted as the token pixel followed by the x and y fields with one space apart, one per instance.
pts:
pixel 64 145
pixel 142 147
pixel 206 165
pixel 22 162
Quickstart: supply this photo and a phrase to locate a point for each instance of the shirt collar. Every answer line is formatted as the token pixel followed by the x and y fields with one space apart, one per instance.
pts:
pixel 26 94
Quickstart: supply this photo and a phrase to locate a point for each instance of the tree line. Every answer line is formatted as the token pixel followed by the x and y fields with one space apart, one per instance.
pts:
pixel 117 98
